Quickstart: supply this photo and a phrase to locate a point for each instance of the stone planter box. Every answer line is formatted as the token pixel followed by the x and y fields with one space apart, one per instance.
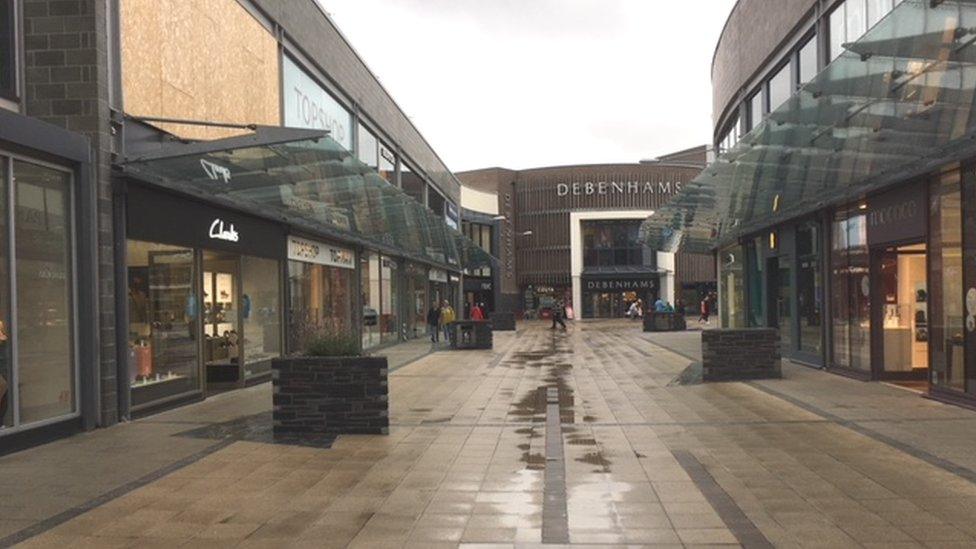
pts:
pixel 471 334
pixel 741 355
pixel 664 322
pixel 503 322
pixel 328 396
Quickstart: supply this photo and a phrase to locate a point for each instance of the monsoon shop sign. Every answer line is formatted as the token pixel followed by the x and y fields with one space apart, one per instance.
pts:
pixel 604 188
pixel 308 105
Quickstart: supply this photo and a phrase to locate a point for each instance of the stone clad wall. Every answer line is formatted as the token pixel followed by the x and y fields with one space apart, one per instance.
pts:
pixel 330 396
pixel 737 355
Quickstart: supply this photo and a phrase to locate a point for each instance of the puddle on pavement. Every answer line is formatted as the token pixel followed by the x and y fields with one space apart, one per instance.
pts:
pixel 598 459
pixel 534 461
pixel 573 441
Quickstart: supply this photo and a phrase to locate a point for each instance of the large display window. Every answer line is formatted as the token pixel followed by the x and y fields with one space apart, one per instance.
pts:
pixel 417 292
pixel 947 303
pixel 321 291
pixel 732 287
pixel 612 243
pixel 369 268
pixel 260 314
pixel 389 300
pixel 164 321
pixel 809 280
pixel 850 290
pixel 38 372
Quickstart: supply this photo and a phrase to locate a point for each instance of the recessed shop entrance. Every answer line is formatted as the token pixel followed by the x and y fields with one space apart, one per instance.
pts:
pixel 221 320
pixel 901 333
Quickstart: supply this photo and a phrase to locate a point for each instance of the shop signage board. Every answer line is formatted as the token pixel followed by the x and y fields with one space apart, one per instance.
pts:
pixel 320 253
pixel 897 216
pixel 604 188
pixel 150 215
pixel 451 215
pixel 618 284
pixel 437 275
pixel 308 105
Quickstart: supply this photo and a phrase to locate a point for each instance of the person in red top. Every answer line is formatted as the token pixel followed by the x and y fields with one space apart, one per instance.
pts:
pixel 477 313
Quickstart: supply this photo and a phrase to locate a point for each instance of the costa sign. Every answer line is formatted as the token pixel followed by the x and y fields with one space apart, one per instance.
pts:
pixel 603 188
pixel 898 215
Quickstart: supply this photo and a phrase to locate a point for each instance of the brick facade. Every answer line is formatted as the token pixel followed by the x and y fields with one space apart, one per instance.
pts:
pixel 738 355
pixel 330 396
pixel 67 84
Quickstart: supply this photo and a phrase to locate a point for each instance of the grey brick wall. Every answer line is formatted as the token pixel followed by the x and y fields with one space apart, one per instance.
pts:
pixel 737 355
pixel 66 84
pixel 330 396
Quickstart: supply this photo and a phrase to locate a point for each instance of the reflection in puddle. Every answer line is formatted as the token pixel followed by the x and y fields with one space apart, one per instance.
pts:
pixel 596 458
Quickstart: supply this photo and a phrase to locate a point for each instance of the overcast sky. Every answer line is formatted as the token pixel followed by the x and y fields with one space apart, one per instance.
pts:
pixel 527 83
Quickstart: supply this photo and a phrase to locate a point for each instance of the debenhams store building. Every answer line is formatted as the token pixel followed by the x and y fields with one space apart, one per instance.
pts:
pixel 571 234
pixel 842 207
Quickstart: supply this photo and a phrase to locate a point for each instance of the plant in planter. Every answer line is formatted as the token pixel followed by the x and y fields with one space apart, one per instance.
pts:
pixel 331 389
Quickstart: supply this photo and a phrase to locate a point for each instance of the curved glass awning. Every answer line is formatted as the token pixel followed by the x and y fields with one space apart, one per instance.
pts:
pixel 896 104
pixel 308 180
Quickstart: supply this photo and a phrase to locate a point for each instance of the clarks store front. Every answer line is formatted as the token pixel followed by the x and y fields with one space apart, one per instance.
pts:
pixel 204 298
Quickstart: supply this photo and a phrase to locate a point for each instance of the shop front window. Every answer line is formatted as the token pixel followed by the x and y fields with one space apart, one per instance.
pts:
pixel 809 288
pixel 42 254
pixel 369 267
pixel 164 329
pixel 850 291
pixel 321 302
pixel 756 283
pixel 417 278
pixel 731 288
pixel 947 303
pixel 389 295
pixel 261 314
pixel 6 362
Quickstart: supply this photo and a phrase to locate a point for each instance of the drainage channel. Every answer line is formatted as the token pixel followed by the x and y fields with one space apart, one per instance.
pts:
pixel 555 516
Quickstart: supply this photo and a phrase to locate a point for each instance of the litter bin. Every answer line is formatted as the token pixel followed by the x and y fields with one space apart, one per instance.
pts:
pixel 471 334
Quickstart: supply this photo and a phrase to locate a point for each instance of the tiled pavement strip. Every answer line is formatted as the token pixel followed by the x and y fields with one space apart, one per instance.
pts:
pixel 466 460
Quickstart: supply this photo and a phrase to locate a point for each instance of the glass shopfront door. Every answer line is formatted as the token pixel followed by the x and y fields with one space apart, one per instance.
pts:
pixel 222 337
pixel 902 314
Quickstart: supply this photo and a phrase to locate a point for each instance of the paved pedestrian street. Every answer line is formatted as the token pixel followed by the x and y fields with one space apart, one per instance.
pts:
pixel 556 438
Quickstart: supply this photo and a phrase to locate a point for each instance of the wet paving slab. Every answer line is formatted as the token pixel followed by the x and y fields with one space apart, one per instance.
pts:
pixel 571 438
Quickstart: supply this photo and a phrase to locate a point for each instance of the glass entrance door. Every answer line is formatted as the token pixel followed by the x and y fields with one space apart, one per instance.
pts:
pixel 904 313
pixel 222 338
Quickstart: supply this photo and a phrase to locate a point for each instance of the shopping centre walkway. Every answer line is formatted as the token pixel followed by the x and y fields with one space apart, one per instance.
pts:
pixel 575 438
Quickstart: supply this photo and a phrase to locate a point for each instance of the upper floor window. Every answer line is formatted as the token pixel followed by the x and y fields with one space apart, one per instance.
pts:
pixel 368 148
pixel 807 58
pixel 755 110
pixel 780 87
pixel 612 244
pixel 852 18
pixel 8 55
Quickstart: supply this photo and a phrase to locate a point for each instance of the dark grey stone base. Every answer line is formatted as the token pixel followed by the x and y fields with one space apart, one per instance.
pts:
pixel 471 334
pixel 503 322
pixel 664 322
pixel 330 396
pixel 741 355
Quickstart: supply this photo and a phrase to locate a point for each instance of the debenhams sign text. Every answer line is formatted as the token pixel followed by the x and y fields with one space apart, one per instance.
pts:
pixel 591 188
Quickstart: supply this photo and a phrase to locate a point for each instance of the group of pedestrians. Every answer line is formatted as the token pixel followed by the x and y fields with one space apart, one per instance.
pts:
pixel 439 319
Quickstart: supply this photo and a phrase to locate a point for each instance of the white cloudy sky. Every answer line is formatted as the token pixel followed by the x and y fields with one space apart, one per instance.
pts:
pixel 524 83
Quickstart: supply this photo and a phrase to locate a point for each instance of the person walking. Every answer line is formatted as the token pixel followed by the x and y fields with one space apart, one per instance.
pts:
pixel 633 313
pixel 477 312
pixel 659 305
pixel 433 323
pixel 557 315
pixel 447 318
pixel 703 318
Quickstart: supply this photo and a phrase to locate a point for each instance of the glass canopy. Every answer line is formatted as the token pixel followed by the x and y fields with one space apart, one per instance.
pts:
pixel 896 104
pixel 308 180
